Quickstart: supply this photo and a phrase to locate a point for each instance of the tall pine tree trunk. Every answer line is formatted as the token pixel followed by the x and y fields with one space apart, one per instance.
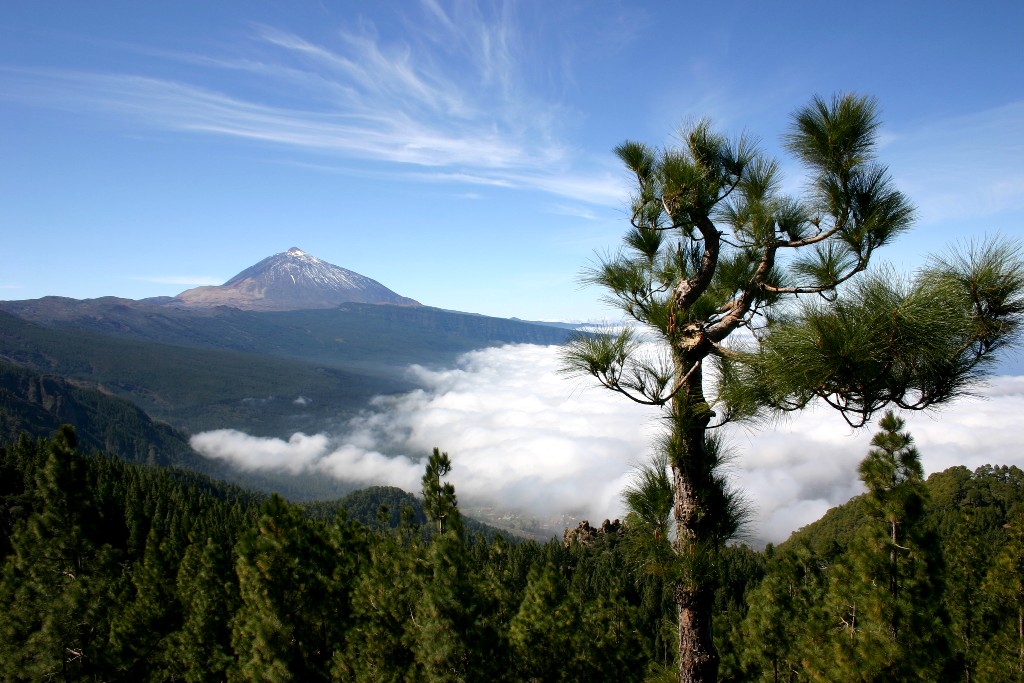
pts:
pixel 692 473
pixel 698 659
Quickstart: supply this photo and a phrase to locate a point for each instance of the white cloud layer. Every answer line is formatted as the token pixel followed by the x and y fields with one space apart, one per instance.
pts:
pixel 523 437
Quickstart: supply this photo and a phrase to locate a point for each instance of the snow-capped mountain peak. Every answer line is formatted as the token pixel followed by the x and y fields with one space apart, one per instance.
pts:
pixel 293 280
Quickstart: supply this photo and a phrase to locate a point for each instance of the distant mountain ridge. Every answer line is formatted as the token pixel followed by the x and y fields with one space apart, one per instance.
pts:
pixel 289 281
pixel 227 363
pixel 201 368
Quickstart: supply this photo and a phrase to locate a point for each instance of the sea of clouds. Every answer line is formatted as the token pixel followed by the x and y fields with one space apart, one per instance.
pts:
pixel 525 438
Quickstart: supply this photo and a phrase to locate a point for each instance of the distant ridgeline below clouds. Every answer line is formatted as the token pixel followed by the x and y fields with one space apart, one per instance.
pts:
pixel 522 436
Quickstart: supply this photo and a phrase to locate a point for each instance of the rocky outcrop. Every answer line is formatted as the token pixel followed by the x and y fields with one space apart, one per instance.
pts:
pixel 586 534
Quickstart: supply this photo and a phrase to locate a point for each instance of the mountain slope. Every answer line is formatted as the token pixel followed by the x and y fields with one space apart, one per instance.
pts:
pixel 352 333
pixel 293 280
pixel 201 369
pixel 197 389
pixel 38 404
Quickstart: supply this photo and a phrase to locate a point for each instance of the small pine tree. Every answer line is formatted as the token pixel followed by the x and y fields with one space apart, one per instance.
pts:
pixel 55 589
pixel 384 620
pixel 542 633
pixel 290 622
pixel 208 596
pixel 885 594
pixel 439 501
pixel 445 609
pixel 152 612
pixel 780 620
pixel 1003 655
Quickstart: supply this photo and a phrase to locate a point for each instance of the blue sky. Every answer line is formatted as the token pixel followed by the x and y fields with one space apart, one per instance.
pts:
pixel 460 154
pixel 457 152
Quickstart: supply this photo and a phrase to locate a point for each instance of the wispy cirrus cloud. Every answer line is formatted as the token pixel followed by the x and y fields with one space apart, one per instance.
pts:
pixel 575 211
pixel 384 136
pixel 448 98
pixel 962 167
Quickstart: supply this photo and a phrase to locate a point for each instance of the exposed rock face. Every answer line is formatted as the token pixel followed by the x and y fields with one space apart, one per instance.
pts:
pixel 586 534
pixel 293 280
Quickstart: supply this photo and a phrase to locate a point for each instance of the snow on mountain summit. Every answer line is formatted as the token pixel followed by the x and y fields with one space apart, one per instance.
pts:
pixel 293 280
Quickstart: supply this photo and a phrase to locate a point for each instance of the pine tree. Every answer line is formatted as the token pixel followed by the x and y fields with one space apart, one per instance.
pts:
pixel 384 619
pixel 292 615
pixel 140 634
pixel 780 617
pixel 1003 654
pixel 885 596
pixel 969 543
pixel 608 644
pixel 439 501
pixel 55 586
pixel 497 593
pixel 543 634
pixel 714 248
pixel 208 593
pixel 445 611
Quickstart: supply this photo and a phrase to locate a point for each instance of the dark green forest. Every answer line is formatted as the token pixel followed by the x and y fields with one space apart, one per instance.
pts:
pixel 118 571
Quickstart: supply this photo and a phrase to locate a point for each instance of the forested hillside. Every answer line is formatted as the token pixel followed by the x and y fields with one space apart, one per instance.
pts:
pixel 119 571
pixel 36 404
pixel 39 404
pixel 913 581
pixel 114 571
